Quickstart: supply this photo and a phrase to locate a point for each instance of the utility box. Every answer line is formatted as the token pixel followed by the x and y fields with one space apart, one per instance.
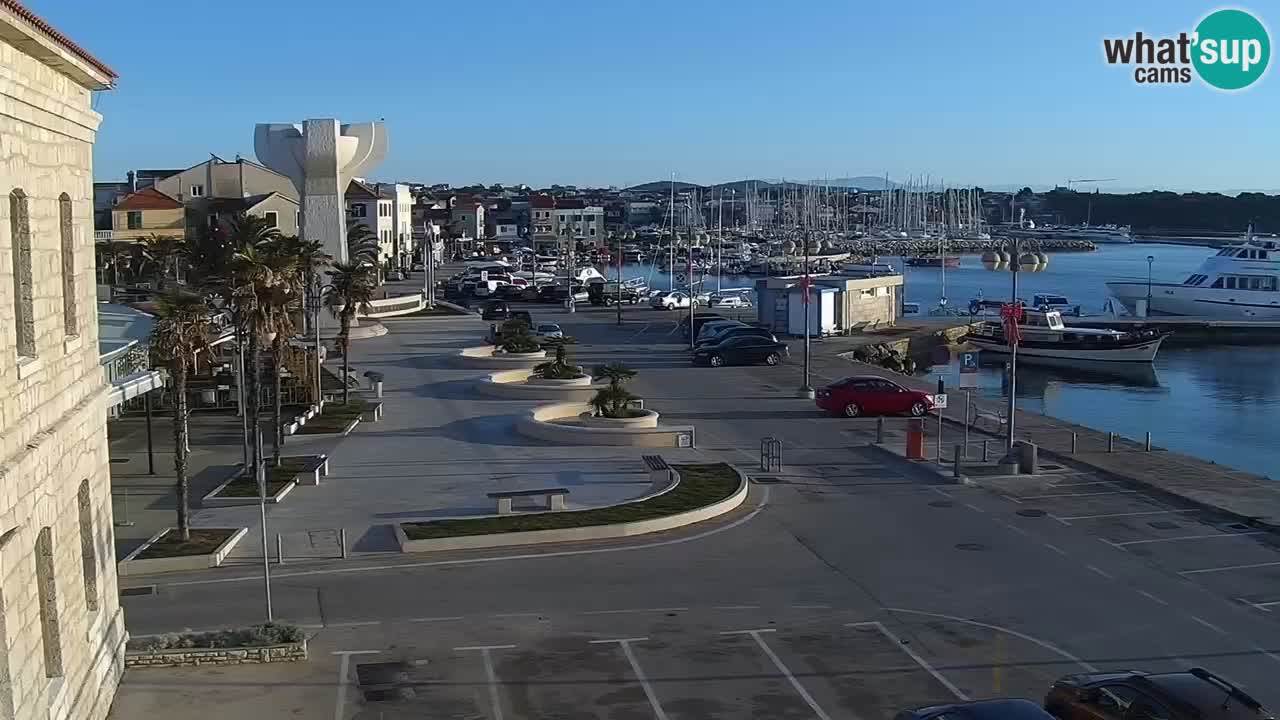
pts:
pixel 821 309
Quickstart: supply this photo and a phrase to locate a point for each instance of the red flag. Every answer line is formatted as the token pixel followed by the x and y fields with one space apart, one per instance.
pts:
pixel 805 282
pixel 1011 313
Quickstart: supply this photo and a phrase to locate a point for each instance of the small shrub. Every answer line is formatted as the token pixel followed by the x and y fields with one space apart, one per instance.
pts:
pixel 254 636
pixel 559 368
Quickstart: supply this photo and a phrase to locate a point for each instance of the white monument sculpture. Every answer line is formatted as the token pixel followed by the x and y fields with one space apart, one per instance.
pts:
pixel 321 157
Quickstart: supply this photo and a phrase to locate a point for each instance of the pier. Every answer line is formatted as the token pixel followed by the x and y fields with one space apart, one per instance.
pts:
pixel 1191 331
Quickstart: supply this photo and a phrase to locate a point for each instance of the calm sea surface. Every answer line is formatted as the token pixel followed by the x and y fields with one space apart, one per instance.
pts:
pixel 1219 403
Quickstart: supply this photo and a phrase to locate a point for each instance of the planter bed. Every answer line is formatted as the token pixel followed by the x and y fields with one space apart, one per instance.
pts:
pixel 259 644
pixel 292 471
pixel 336 419
pixel 372 413
pixel 164 553
pixel 700 486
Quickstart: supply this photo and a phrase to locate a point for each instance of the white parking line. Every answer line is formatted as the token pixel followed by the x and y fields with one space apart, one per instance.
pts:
pixel 344 666
pixel 1124 514
pixel 625 644
pixel 1072 495
pixel 363 623
pixel 1211 536
pixel 1081 484
pixel 1225 568
pixel 436 619
pixel 810 607
pixel 1151 597
pixel 782 668
pixel 490 675
pixel 906 648
pixel 1089 667
pixel 1263 606
pixel 973 507
pixel 635 610
pixel 1056 549
pixel 736 607
pixel 516 615
pixel 1209 625
pixel 1101 572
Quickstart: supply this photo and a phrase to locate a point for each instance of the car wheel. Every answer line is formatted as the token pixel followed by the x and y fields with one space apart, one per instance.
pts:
pixel 918 409
pixel 772 359
pixel 716 361
pixel 852 410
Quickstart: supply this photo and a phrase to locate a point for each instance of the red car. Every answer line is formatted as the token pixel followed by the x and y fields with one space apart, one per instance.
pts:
pixel 872 395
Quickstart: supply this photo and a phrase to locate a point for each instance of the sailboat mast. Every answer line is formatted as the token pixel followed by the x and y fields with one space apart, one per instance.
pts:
pixel 671 246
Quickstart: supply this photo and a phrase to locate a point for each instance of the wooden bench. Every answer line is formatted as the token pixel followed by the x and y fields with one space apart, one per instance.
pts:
pixel 554 498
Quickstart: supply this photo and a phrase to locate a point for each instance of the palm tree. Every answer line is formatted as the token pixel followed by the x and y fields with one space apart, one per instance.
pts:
pixel 278 324
pixel 181 331
pixel 613 400
pixel 350 290
pixel 309 260
pixel 254 272
pixel 160 254
pixel 362 244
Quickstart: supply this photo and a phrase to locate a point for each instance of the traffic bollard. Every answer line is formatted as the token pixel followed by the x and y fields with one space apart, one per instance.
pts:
pixel 955 471
pixel 880 431
pixel 279 550
pixel 1073 443
pixel 1148 442
pixel 1111 442
pixel 984 450
pixel 342 538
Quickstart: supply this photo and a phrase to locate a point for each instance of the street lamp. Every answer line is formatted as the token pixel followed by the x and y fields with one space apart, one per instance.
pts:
pixel 1017 263
pixel 806 390
pixel 1150 259
pixel 569 268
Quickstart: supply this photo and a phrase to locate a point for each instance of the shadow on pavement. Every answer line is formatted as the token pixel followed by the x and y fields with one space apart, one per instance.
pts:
pixel 490 430
pixel 378 538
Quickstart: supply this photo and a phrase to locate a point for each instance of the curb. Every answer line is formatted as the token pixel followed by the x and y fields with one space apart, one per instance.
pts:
pixel 578 534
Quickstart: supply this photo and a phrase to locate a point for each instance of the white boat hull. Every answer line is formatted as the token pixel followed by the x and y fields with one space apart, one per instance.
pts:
pixel 1168 299
pixel 1137 353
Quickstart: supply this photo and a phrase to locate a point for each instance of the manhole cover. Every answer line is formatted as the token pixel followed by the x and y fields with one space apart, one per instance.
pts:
pixel 138 591
pixel 1032 512
pixel 942 503
pixel 1164 525
pixel 971 547
pixel 1050 466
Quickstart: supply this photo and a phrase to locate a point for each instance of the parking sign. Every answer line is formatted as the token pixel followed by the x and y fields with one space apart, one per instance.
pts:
pixel 969 369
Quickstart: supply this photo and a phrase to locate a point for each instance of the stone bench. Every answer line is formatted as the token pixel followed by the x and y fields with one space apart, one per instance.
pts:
pixel 661 474
pixel 553 498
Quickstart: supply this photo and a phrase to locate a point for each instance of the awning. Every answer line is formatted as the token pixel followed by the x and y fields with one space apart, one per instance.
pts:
pixel 132 386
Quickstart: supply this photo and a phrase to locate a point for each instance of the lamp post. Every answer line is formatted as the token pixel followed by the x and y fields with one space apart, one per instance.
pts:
pixel 1150 260
pixel 569 268
pixel 992 262
pixel 806 390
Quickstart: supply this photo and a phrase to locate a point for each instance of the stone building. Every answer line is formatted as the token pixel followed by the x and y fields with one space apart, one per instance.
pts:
pixel 61 629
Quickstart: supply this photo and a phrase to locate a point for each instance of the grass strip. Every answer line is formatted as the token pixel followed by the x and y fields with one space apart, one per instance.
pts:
pixel 246 485
pixel 700 486
pixel 203 542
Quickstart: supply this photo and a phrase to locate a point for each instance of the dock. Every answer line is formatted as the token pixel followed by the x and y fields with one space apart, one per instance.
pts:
pixel 1189 331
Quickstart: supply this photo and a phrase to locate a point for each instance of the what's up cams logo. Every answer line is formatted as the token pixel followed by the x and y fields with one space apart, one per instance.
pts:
pixel 1229 50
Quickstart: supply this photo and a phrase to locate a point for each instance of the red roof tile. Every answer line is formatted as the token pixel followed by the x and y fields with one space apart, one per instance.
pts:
pixel 542 201
pixel 148 199
pixel 52 33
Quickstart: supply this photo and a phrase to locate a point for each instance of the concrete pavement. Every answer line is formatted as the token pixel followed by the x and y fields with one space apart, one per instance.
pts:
pixel 996 600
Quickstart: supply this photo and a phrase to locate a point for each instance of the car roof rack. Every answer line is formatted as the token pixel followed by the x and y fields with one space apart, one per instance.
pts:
pixel 1232 691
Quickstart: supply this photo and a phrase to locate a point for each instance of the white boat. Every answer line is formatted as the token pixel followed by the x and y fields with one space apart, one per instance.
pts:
pixel 1240 282
pixel 1046 341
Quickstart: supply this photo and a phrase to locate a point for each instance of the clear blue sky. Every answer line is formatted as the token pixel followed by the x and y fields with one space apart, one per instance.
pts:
pixel 600 92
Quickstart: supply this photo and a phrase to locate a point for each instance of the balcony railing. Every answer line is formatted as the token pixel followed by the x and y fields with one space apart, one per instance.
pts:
pixel 102 235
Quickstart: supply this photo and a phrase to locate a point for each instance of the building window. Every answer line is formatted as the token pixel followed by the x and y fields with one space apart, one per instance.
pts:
pixel 297 218
pixel 593 232
pixel 23 290
pixel 213 221
pixel 134 220
pixel 197 191
pixel 69 321
pixel 272 218
pixel 88 551
pixel 47 590
pixel 358 210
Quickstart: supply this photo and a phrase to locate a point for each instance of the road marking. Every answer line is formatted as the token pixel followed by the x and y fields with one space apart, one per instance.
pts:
pixel 1101 572
pixel 343 667
pixel 736 607
pixel 943 493
pixel 437 619
pixel 1193 537
pixel 1012 499
pixel 1056 549
pixel 361 623
pixel 641 332
pixel 906 648
pixel 1263 606
pixel 810 607
pixel 1209 625
pixel 1271 655
pixel 1055 517
pixel 1082 484
pixel 1113 544
pixel 764 501
pixel 490 675
pixel 625 644
pixel 782 668
pixel 976 623
pixel 517 615
pixel 1151 597
pixel 1017 529
pixel 634 610
pixel 1125 514
pixel 973 507
pixel 1072 495
pixel 1225 568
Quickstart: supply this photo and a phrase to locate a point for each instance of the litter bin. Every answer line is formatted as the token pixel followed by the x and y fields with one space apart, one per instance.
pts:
pixel 915 439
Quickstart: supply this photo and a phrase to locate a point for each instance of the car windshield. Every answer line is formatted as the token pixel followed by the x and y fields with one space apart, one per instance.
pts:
pixel 781 443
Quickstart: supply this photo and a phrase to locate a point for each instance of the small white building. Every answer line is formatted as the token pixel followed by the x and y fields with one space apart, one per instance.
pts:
pixel 402 221
pixel 387 210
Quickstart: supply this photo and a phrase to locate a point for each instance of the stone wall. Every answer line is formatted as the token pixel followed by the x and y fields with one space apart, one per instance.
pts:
pixel 188 657
pixel 61 630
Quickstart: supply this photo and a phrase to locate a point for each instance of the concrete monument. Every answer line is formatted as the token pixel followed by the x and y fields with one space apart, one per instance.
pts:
pixel 321 157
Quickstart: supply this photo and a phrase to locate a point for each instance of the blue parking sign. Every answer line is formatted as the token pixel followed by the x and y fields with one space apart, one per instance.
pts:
pixel 969 361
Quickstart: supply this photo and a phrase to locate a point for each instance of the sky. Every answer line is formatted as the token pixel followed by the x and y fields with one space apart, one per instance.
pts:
pixel 600 93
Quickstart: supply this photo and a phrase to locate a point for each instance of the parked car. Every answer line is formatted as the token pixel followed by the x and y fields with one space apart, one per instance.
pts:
pixel 729 301
pixel 511 292
pixel 741 351
pixel 711 331
pixel 548 330
pixel 522 315
pixel 551 293
pixel 999 709
pixel 872 395
pixel 395 276
pixel 738 331
pixel 601 295
pixel 1194 694
pixel 698 321
pixel 495 310
pixel 669 301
